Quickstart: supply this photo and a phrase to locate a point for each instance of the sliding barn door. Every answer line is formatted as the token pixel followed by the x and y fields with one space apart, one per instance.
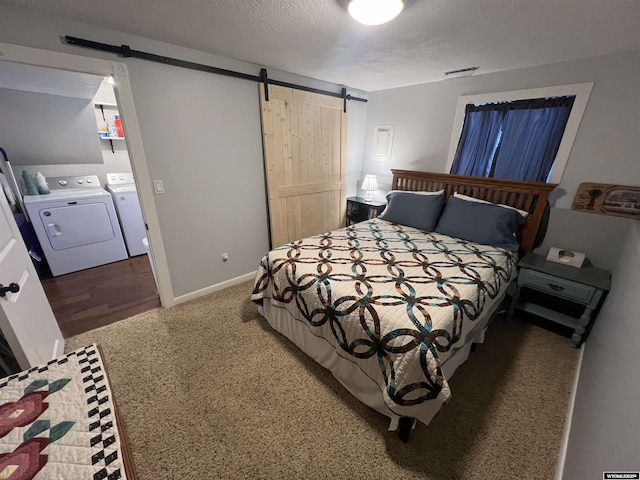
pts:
pixel 304 139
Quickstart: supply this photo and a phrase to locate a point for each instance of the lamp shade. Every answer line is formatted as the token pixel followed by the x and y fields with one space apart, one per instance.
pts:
pixel 369 185
pixel 375 12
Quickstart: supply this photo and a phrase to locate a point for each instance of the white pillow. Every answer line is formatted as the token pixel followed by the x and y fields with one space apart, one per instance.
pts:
pixel 472 199
pixel 439 192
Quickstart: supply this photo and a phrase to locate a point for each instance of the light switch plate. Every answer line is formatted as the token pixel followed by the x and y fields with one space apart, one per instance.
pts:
pixel 158 187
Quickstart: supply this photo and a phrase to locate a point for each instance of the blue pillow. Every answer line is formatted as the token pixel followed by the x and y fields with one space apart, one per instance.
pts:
pixel 413 209
pixel 487 224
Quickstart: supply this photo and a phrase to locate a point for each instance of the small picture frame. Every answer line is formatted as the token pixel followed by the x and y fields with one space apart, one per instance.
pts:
pixel 382 142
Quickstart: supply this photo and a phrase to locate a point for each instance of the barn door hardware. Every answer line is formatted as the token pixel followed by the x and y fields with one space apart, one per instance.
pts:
pixel 265 82
pixel 127 52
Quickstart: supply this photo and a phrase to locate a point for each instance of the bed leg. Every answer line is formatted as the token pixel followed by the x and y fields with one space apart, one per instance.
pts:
pixel 404 428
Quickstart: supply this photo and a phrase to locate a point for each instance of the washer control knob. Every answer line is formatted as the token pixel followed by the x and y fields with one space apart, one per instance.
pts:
pixel 89 180
pixel 80 180
pixel 62 183
pixel 121 177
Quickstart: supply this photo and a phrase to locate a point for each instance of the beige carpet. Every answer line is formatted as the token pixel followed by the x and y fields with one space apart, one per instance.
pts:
pixel 207 390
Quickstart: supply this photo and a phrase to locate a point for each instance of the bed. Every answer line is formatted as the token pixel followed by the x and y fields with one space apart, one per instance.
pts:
pixel 59 420
pixel 392 305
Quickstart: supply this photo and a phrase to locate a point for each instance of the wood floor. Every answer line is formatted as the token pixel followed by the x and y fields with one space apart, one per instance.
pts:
pixel 99 296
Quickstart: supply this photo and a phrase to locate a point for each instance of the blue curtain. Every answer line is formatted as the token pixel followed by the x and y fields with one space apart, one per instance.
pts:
pixel 531 136
pixel 478 140
pixel 516 140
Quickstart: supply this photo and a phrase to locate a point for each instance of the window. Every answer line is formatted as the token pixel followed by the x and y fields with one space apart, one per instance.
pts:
pixel 516 140
pixel 525 135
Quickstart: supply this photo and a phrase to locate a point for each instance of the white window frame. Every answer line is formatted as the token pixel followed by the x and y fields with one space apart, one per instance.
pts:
pixel 582 91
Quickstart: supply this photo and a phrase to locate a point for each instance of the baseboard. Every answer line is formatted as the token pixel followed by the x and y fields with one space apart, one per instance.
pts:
pixel 567 424
pixel 214 288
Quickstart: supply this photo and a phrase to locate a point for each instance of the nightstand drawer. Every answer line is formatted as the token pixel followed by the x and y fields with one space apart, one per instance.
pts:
pixel 556 286
pixel 359 210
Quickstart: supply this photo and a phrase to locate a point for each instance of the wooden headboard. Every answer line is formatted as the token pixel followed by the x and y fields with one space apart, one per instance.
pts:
pixel 529 196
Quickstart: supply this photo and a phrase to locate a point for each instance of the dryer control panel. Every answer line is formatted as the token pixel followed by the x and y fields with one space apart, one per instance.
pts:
pixel 119 178
pixel 68 183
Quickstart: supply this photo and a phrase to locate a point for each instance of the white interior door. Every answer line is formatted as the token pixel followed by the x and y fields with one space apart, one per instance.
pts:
pixel 26 319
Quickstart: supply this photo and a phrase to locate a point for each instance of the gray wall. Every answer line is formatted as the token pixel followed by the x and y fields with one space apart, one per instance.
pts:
pixel 601 236
pixel 202 137
pixel 356 136
pixel 605 429
pixel 605 149
pixel 56 135
pixel 39 128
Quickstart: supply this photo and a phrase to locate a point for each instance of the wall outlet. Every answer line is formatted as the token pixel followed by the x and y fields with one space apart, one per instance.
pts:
pixel 225 258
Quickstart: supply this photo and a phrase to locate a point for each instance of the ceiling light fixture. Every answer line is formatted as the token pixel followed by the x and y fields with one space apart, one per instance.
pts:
pixel 463 72
pixel 375 12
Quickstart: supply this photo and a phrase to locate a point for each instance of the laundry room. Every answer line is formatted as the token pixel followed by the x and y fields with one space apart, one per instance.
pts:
pixel 67 176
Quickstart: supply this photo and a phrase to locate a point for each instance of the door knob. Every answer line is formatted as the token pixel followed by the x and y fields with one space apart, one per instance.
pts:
pixel 13 288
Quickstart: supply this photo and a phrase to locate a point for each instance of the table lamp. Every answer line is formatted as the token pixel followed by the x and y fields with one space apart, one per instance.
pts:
pixel 369 185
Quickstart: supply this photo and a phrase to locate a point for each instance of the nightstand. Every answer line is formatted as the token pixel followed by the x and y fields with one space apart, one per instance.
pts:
pixel 566 295
pixel 359 210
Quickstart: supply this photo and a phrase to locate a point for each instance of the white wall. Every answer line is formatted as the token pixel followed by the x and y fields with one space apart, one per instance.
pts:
pixel 605 149
pixel 201 136
pixel 605 427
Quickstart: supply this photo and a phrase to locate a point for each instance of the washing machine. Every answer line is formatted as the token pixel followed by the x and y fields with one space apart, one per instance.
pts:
pixel 76 224
pixel 125 197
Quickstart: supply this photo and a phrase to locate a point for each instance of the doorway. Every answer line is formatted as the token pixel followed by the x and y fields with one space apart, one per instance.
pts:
pixel 75 292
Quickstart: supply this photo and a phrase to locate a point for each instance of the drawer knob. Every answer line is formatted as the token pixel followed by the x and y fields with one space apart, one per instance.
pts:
pixel 555 287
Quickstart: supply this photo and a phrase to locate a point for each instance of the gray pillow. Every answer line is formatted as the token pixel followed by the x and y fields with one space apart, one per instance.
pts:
pixel 413 209
pixel 487 224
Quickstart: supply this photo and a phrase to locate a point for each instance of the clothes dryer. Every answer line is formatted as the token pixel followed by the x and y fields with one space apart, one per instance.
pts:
pixel 76 224
pixel 125 197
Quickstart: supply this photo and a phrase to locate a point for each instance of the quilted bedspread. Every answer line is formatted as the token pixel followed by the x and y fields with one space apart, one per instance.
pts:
pixel 57 421
pixel 394 300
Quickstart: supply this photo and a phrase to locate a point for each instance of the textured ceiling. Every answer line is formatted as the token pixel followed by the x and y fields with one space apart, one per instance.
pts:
pixel 318 38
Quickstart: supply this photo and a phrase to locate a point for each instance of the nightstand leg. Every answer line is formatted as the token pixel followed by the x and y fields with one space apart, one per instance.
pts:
pixel 576 338
pixel 585 319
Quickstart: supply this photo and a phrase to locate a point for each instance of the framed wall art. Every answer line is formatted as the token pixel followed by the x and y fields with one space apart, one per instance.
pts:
pixel 382 142
pixel 606 199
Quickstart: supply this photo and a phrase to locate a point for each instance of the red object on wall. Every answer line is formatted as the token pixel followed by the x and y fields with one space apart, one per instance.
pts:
pixel 118 124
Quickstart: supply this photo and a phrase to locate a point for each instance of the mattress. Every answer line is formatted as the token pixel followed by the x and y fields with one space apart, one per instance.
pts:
pixel 392 303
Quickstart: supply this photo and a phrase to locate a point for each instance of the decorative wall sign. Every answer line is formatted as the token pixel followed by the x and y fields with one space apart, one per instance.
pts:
pixel 605 199
pixel 382 142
